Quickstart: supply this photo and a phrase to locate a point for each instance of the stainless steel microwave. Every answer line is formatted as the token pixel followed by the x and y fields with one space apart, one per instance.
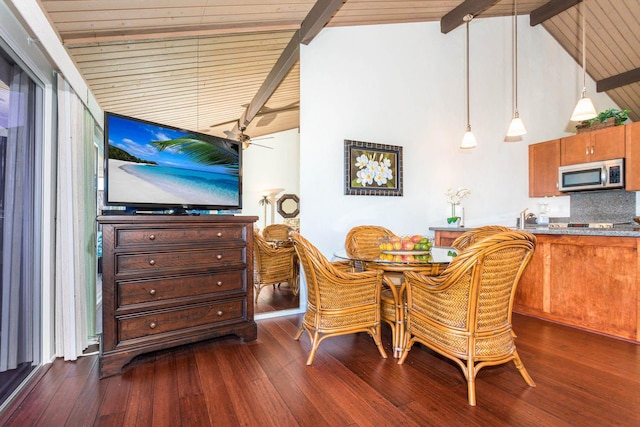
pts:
pixel 606 174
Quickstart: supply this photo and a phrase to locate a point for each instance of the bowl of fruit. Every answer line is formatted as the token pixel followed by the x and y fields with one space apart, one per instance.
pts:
pixel 406 245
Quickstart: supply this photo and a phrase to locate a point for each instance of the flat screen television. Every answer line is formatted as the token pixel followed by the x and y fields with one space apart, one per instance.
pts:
pixel 149 166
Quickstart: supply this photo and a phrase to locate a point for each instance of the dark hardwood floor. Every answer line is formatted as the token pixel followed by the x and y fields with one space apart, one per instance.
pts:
pixel 582 379
pixel 275 298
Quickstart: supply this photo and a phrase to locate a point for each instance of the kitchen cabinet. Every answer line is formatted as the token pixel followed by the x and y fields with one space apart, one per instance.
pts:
pixel 589 282
pixel 602 144
pixel 632 156
pixel 446 238
pixel 173 280
pixel 544 160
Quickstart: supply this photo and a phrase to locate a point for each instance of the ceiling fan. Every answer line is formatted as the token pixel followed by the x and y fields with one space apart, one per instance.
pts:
pixel 245 139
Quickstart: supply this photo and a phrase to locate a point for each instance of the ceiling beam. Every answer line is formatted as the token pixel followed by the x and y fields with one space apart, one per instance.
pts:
pixel 622 79
pixel 313 23
pixel 285 62
pixel 549 10
pixel 453 19
pixel 317 18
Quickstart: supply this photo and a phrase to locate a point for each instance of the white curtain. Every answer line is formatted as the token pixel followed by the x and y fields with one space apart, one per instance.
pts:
pixel 75 223
pixel 17 154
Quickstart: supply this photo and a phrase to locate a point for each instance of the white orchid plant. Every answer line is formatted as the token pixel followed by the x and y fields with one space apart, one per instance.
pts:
pixel 454 198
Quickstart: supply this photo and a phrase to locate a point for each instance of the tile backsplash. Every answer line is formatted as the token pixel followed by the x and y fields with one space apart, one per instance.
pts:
pixel 616 206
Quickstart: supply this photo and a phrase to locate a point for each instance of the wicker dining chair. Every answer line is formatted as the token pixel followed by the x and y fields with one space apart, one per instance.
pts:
pixel 363 241
pixel 465 313
pixel 276 232
pixel 274 264
pixel 339 302
pixel 469 237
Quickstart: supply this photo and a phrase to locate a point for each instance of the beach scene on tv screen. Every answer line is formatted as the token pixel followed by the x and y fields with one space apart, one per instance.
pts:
pixel 152 164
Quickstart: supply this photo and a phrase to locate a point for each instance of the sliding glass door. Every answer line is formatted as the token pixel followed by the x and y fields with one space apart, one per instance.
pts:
pixel 20 127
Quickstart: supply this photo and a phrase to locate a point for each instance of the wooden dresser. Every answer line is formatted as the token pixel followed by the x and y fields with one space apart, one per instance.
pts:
pixel 173 280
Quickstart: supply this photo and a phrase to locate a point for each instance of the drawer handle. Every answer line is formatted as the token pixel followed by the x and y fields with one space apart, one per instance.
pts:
pixel 219 313
pixel 219 256
pixel 152 262
pixel 219 283
pixel 152 325
pixel 219 234
pixel 152 237
pixel 152 292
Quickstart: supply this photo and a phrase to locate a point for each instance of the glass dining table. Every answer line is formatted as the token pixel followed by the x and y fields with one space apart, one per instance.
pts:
pixel 393 264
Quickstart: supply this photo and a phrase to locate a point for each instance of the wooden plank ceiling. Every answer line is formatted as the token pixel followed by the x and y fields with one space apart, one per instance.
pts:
pixel 194 64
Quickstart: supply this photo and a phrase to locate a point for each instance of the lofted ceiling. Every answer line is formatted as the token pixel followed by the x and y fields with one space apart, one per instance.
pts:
pixel 205 64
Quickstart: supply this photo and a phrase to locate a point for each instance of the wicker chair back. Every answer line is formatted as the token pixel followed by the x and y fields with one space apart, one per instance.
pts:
pixel 465 313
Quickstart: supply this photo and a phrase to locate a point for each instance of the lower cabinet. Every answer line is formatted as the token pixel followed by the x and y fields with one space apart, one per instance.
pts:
pixel 446 238
pixel 590 282
pixel 173 280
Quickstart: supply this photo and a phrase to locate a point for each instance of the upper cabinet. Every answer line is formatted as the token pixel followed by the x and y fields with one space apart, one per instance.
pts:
pixel 632 157
pixel 603 144
pixel 544 160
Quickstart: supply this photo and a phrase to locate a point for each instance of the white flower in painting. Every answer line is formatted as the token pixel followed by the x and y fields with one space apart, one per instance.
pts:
pixel 362 161
pixel 371 170
pixel 364 177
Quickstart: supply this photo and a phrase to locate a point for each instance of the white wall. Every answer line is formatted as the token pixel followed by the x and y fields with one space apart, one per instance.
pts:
pixel 405 85
pixel 265 168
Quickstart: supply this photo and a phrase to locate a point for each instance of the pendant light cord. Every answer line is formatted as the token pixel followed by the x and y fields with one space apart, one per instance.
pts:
pixel 584 51
pixel 515 60
pixel 467 19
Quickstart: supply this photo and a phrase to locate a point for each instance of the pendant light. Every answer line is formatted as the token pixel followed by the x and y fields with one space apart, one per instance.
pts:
pixel 516 128
pixel 468 140
pixel 584 108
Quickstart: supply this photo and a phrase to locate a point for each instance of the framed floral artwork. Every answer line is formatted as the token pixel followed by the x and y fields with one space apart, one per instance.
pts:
pixel 372 169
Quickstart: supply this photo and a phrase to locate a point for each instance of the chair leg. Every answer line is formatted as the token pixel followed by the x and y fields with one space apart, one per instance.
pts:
pixel 258 289
pixel 299 333
pixel 471 382
pixel 378 340
pixel 407 346
pixel 314 347
pixel 522 370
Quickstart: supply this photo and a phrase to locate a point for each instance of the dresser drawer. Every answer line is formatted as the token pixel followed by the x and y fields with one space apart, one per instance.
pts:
pixel 160 236
pixel 157 262
pixel 184 318
pixel 166 288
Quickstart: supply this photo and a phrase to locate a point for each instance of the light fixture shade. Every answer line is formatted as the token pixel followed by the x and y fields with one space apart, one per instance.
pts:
pixel 468 140
pixel 516 128
pixel 584 110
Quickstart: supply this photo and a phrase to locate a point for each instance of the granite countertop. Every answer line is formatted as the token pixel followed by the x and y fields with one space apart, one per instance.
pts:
pixel 618 231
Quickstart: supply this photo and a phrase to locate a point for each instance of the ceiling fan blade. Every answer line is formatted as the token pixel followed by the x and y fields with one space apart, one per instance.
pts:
pixel 262 137
pixel 231 134
pixel 266 119
pixel 260 145
pixel 223 123
pixel 269 114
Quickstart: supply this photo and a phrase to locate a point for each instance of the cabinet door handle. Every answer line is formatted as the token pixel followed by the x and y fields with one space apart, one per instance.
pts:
pixel 592 149
pixel 152 325
pixel 152 292
pixel 219 256
pixel 152 262
pixel 219 313
pixel 586 151
pixel 219 234
pixel 219 283
pixel 152 237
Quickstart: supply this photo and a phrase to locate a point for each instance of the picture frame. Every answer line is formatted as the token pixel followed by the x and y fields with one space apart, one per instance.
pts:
pixel 372 169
